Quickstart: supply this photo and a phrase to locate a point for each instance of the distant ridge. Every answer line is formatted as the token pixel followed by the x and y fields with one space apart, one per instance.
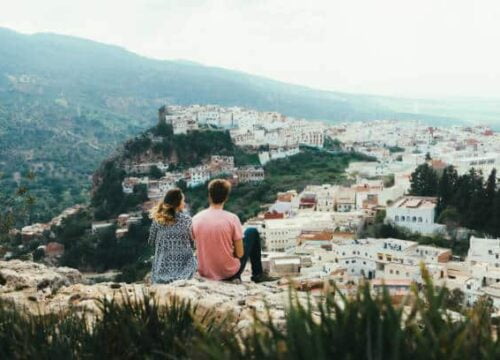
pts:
pixel 90 72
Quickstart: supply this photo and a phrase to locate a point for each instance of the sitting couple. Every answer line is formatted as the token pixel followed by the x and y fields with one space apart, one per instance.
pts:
pixel 222 249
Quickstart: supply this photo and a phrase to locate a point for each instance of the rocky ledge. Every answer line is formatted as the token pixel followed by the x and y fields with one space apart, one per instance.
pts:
pixel 37 288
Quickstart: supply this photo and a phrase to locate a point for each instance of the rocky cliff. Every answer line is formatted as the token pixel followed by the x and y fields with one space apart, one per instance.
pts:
pixel 38 289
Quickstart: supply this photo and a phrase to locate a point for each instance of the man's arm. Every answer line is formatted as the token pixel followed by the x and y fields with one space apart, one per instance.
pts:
pixel 238 248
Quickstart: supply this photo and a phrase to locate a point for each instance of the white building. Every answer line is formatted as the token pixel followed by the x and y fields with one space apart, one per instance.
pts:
pixel 415 213
pixel 345 200
pixel 197 176
pixel 282 234
pixel 484 250
pixel 250 174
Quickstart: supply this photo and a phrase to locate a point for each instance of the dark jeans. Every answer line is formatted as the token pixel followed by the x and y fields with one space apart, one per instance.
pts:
pixel 252 251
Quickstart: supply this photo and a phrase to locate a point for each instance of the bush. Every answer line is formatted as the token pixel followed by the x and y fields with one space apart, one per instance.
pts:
pixel 364 327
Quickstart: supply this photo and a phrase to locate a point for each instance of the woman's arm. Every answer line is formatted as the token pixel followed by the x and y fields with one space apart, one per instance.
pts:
pixel 191 233
pixel 153 230
pixel 191 236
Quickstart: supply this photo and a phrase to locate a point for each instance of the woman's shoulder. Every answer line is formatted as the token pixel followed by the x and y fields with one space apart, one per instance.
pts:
pixel 184 217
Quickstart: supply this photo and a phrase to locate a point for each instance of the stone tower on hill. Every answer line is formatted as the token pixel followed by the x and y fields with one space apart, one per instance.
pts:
pixel 162 112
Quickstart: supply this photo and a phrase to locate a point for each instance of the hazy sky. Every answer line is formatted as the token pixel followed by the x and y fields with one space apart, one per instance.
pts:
pixel 395 47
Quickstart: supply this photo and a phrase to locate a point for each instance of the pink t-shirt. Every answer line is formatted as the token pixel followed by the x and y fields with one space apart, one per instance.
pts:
pixel 215 231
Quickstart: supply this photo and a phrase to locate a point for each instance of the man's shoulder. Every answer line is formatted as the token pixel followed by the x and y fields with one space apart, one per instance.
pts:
pixel 231 215
pixel 200 214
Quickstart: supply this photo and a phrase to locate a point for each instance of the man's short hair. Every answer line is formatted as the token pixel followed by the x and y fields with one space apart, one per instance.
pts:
pixel 218 191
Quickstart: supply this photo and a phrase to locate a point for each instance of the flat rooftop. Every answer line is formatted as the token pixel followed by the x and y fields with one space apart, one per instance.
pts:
pixel 416 202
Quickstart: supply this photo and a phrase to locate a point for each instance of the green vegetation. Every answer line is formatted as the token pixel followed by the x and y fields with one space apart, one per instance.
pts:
pixel 332 144
pixel 395 149
pixel 108 199
pixel 60 146
pixel 310 167
pixel 465 200
pixel 366 326
pixel 186 150
pixel 102 250
pixel 16 206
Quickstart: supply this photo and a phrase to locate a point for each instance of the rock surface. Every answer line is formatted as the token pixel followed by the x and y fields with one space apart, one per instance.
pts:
pixel 40 289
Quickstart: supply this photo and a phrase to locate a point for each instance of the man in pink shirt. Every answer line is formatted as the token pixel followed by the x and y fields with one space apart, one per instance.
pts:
pixel 222 249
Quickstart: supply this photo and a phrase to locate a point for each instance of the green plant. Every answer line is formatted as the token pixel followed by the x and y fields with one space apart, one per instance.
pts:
pixel 366 326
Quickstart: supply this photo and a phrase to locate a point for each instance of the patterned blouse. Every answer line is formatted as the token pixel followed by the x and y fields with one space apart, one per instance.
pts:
pixel 174 258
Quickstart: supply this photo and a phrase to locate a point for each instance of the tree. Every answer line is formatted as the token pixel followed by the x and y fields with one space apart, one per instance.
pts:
pixel 450 217
pixel 16 207
pixel 155 172
pixel 380 216
pixel 454 299
pixel 181 184
pixel 424 181
pixel 476 216
pixel 494 219
pixel 164 130
pixel 108 198
pixel 490 192
pixel 446 188
pixel 428 157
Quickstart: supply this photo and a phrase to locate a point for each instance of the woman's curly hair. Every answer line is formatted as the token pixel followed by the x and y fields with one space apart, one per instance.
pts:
pixel 165 212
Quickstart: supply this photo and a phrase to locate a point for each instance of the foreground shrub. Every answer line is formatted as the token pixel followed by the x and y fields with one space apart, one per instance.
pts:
pixel 365 327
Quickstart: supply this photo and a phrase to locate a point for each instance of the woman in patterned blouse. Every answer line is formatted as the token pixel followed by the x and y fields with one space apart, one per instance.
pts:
pixel 170 233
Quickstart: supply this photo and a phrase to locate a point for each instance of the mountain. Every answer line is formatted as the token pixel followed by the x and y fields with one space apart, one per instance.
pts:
pixel 66 102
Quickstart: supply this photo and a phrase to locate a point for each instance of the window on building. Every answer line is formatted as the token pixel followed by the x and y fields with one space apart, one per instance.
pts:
pixel 396 218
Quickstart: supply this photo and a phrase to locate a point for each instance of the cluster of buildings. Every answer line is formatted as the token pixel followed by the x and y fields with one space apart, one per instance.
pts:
pixel 396 265
pixel 400 146
pixel 334 212
pixel 52 249
pixel 273 134
pixel 195 176
pixel 325 212
pixel 122 224
pixel 314 236
pixel 32 231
